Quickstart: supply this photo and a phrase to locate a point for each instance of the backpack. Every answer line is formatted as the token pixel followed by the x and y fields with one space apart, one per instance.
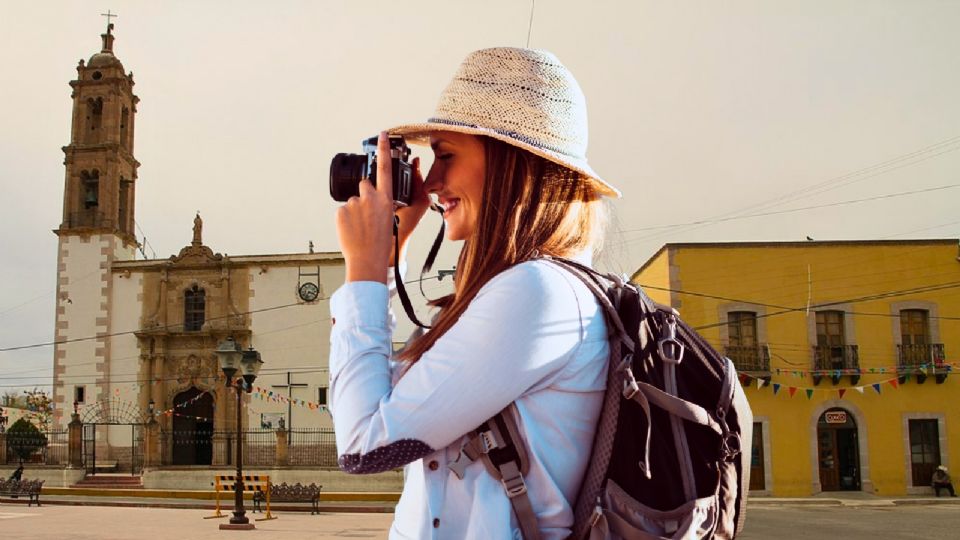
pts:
pixel 666 460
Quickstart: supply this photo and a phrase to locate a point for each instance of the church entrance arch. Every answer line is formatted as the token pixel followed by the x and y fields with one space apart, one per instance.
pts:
pixel 193 427
pixel 838 450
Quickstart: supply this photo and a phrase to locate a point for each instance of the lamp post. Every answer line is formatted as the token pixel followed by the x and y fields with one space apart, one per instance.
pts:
pixel 233 360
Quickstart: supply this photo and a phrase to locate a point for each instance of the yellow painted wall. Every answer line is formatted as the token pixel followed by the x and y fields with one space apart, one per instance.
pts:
pixel 791 275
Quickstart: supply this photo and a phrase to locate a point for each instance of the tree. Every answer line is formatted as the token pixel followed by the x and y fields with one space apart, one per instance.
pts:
pixel 40 404
pixel 11 399
pixel 23 439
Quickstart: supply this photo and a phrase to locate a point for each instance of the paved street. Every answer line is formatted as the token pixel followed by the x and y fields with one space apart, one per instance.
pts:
pixel 781 522
pixel 853 522
pixel 106 523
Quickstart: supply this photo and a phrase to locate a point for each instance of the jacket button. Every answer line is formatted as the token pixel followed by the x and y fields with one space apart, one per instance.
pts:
pixel 434 465
pixel 436 523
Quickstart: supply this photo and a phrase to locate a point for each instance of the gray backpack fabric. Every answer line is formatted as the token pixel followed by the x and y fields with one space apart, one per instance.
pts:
pixel 666 460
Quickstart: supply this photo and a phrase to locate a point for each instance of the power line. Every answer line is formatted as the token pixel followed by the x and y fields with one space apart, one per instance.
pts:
pixel 840 181
pixel 792 210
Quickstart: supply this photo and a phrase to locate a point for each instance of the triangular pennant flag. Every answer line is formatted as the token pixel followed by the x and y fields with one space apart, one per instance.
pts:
pixel 883 370
pixel 776 388
pixel 858 389
pixel 759 383
pixel 893 383
pixel 809 393
pixel 791 390
pixel 842 391
pixel 876 387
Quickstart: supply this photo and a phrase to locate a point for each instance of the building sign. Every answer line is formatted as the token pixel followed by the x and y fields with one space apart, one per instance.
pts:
pixel 836 417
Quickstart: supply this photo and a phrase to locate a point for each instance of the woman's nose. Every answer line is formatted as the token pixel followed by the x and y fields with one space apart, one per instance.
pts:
pixel 432 183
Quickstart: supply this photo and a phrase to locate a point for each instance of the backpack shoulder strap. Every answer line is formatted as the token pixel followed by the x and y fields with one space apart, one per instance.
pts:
pixel 499 446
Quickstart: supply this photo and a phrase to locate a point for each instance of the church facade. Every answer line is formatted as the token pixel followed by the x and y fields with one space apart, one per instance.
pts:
pixel 135 338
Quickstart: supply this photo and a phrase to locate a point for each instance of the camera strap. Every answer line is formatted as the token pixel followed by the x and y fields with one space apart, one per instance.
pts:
pixel 427 266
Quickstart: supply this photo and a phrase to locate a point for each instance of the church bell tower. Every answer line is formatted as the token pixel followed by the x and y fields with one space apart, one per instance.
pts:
pixel 100 168
pixel 97 227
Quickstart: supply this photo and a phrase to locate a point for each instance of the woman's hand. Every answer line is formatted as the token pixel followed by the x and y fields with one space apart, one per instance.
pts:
pixel 365 223
pixel 411 215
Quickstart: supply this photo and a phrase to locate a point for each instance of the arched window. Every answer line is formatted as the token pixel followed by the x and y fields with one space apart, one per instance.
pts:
pixel 91 189
pixel 194 306
pixel 124 120
pixel 94 120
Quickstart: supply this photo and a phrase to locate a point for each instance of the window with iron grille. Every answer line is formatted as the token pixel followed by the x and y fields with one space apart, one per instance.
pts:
pixel 924 450
pixel 830 338
pixel 742 328
pixel 194 307
pixel 915 327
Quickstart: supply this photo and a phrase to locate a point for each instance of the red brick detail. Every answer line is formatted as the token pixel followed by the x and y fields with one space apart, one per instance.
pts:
pixel 64 281
pixel 62 325
pixel 61 310
pixel 102 321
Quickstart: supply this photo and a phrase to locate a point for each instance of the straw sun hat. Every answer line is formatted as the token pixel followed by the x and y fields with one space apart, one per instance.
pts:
pixel 523 97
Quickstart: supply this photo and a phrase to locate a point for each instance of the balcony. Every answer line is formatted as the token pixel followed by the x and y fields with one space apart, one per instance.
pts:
pixel 836 362
pixel 752 360
pixel 920 361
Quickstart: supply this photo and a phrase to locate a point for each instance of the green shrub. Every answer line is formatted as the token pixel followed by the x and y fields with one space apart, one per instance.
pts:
pixel 23 439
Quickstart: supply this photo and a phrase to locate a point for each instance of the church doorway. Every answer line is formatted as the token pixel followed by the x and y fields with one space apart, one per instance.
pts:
pixel 193 428
pixel 838 451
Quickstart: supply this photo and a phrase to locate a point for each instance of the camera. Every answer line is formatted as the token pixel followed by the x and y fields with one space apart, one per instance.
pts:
pixel 346 170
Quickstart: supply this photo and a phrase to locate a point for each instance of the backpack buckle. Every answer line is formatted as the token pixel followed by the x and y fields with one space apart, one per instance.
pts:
pixel 597 514
pixel 669 346
pixel 630 386
pixel 730 446
pixel 512 480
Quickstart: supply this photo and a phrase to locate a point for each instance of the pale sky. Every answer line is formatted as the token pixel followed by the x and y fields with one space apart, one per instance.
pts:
pixel 697 110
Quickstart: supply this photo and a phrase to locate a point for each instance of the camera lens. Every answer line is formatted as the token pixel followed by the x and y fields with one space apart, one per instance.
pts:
pixel 346 171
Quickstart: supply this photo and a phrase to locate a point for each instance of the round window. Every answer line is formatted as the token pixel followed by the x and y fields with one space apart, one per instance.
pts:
pixel 97 75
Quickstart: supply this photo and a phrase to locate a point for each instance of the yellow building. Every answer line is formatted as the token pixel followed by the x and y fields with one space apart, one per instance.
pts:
pixel 847 351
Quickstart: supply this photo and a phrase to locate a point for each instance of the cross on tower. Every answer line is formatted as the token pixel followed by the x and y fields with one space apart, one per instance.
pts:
pixel 290 386
pixel 109 15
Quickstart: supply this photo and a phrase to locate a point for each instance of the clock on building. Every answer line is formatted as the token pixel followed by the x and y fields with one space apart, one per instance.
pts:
pixel 308 292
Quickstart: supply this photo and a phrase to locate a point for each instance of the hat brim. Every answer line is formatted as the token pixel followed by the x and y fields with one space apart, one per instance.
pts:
pixel 420 134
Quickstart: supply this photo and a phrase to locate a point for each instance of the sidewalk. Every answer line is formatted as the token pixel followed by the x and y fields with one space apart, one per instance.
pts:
pixel 338 502
pixel 852 499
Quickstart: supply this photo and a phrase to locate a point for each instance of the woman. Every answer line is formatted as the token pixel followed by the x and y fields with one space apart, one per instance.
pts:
pixel 509 139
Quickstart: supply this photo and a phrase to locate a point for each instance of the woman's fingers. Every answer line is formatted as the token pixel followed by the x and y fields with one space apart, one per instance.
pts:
pixel 384 166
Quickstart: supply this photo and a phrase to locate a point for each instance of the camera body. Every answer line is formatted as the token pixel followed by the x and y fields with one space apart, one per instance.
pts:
pixel 347 170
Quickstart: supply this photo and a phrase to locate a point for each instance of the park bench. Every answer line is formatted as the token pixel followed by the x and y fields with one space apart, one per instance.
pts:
pixel 290 493
pixel 26 488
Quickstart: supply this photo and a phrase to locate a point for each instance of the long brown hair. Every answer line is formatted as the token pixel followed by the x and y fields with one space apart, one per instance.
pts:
pixel 531 206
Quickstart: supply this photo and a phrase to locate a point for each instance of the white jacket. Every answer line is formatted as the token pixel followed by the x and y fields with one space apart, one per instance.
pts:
pixel 533 335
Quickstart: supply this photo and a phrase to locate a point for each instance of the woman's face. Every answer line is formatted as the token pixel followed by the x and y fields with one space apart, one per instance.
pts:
pixel 456 177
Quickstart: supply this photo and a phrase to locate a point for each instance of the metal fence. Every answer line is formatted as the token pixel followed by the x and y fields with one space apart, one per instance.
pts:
pixel 305 447
pixel 44 448
pixel 312 447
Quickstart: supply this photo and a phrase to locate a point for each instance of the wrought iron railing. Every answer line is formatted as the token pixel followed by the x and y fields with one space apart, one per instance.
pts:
pixel 749 358
pixel 313 447
pixel 844 359
pixel 45 448
pixel 917 357
pixel 204 447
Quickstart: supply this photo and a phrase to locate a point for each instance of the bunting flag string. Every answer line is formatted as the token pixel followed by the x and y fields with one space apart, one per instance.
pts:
pixel 791 390
pixel 925 368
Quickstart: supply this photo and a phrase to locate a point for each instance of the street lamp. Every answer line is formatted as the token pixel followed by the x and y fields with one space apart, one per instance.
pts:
pixel 234 360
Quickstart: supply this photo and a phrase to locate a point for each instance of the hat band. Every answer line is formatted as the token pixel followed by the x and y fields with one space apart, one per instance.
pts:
pixel 511 134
